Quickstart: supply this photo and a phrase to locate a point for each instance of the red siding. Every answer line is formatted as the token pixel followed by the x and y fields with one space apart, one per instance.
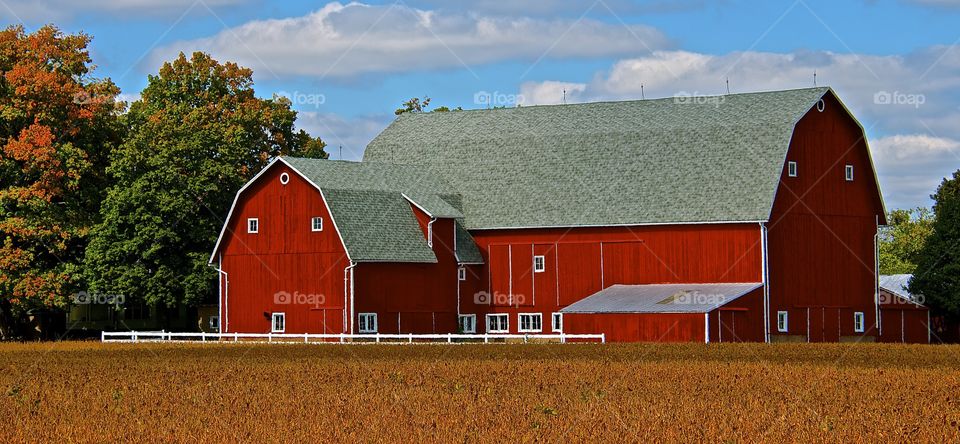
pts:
pixel 412 298
pixel 284 257
pixel 740 320
pixel 821 233
pixel 903 321
pixel 582 261
pixel 637 327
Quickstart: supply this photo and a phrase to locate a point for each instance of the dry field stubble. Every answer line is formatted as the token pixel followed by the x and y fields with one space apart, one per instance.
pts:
pixel 70 392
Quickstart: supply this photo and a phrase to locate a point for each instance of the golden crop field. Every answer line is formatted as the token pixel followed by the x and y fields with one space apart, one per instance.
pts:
pixel 92 392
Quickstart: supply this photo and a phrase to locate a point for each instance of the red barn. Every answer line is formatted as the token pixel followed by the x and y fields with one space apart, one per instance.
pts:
pixel 903 317
pixel 745 217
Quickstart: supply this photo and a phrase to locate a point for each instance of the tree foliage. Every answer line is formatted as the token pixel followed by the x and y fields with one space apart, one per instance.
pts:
pixel 196 135
pixel 937 276
pixel 903 239
pixel 57 127
pixel 414 105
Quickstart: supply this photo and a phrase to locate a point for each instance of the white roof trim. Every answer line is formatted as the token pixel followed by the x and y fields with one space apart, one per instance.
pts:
pixel 254 179
pixel 863 132
pixel 236 198
pixel 417 205
pixel 622 225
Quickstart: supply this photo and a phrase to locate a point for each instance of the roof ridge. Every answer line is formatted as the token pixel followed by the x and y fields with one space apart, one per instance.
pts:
pixel 602 102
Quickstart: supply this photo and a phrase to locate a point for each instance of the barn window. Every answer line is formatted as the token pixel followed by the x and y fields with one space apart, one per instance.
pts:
pixel 539 264
pixel 468 323
pixel 557 322
pixel 530 322
pixel 284 178
pixel 316 224
pixel 858 322
pixel 461 274
pixel 781 321
pixel 253 225
pixel 278 322
pixel 848 172
pixel 498 323
pixel 368 323
pixel 792 169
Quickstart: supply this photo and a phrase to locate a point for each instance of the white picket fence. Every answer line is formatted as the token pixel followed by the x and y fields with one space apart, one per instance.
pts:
pixel 337 338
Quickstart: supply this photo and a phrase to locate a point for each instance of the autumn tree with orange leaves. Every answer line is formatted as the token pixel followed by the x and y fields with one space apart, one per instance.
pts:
pixel 58 125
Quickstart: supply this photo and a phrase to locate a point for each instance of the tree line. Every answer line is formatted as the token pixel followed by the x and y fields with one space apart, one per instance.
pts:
pixel 107 198
pixel 101 197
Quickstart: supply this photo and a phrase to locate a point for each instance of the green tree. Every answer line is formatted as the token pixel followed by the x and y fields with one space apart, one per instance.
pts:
pixel 414 105
pixel 937 276
pixel 196 135
pixel 57 127
pixel 902 240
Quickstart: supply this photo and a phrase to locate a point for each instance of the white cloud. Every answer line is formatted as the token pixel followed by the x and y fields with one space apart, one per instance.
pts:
pixel 550 92
pixel 352 133
pixel 912 99
pixel 346 40
pixel 554 8
pixel 911 166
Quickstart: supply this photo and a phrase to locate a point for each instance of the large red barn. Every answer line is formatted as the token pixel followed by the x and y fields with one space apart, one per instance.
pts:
pixel 745 217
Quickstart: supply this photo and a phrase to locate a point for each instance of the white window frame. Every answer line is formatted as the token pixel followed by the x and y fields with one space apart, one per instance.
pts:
pixel 848 173
pixel 539 264
pixel 506 322
pixel 462 273
pixel 531 329
pixel 364 321
pixel 363 326
pixel 253 225
pixel 792 168
pixel 284 178
pixel 473 323
pixel 859 321
pixel 273 322
pixel 313 223
pixel 556 322
pixel 783 319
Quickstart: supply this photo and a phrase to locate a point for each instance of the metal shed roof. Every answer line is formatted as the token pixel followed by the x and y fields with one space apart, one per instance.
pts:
pixel 897 284
pixel 661 298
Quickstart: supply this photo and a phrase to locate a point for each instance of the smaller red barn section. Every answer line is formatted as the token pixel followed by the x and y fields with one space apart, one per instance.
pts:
pixel 671 313
pixel 902 316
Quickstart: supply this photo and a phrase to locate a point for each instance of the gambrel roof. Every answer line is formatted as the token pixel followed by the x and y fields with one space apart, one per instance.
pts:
pixel 662 161
pixel 370 206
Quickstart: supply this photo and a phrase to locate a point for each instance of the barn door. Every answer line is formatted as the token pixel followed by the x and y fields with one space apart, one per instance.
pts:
pixel 815 324
pixel 824 324
pixel 728 326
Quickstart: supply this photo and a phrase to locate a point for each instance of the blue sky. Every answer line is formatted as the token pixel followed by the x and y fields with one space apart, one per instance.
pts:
pixel 348 65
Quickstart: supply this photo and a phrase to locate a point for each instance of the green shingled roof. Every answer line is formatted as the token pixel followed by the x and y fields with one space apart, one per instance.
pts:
pixel 377 226
pixel 635 162
pixel 370 204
